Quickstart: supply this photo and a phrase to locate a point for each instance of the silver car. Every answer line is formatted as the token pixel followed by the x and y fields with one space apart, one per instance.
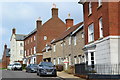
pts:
pixel 46 68
pixel 17 66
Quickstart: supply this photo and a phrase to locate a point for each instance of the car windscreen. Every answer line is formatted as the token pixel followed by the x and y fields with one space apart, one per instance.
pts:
pixel 17 64
pixel 47 64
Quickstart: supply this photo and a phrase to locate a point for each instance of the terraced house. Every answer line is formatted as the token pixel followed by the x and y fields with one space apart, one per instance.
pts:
pixel 66 49
pixel 16 47
pixel 6 57
pixel 102 35
pixel 43 33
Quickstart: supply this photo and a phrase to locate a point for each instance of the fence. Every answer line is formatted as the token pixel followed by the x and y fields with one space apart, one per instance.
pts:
pixel 107 71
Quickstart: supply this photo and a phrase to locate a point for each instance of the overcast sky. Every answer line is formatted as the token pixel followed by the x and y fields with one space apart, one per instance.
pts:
pixel 22 16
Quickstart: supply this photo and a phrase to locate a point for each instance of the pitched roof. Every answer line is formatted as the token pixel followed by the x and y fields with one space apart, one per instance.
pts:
pixel 7 52
pixel 31 33
pixel 20 37
pixel 67 32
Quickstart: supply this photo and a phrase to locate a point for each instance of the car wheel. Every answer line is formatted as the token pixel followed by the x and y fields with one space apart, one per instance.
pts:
pixel 37 73
pixel 55 75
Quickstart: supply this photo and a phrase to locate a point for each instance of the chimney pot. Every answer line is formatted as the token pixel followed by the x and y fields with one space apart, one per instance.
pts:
pixel 13 31
pixel 39 22
pixel 54 11
pixel 5 46
pixel 69 22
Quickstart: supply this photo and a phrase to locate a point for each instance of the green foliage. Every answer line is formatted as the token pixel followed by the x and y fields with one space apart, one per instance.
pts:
pixel 23 66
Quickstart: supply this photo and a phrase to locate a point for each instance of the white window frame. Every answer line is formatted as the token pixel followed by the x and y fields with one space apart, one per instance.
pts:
pixel 34 49
pixel 54 48
pixel 70 40
pixel 91 32
pixel 100 28
pixel 82 35
pixel 99 3
pixel 54 61
pixel 75 60
pixel 25 52
pixel 70 62
pixel 75 40
pixel 59 60
pixel 34 37
pixel 90 7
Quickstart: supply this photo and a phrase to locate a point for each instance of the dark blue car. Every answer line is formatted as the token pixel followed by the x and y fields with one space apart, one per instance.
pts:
pixel 31 68
pixel 46 68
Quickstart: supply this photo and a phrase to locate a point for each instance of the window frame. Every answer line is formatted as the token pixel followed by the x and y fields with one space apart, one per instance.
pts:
pixel 100 27
pixel 91 32
pixel 90 8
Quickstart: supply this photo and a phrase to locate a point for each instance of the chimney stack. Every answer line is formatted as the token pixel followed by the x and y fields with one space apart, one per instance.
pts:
pixel 39 22
pixel 5 46
pixel 54 11
pixel 69 22
pixel 13 31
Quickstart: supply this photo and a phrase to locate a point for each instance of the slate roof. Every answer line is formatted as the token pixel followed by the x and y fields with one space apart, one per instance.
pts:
pixel 20 37
pixel 30 33
pixel 7 52
pixel 67 32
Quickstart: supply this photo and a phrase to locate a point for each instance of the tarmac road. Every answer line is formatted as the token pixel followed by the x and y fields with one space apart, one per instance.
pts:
pixel 22 75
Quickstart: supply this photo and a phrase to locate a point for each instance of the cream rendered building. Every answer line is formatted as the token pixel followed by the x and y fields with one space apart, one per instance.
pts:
pixel 16 46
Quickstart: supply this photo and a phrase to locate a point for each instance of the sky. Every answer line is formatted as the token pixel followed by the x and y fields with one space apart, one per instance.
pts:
pixel 23 16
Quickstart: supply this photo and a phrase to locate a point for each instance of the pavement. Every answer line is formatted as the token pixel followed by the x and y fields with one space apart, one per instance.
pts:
pixel 65 75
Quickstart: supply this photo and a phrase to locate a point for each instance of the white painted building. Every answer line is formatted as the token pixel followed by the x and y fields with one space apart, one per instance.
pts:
pixel 16 46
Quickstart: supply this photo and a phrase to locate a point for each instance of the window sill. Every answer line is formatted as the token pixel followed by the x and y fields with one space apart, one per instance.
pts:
pixel 99 6
pixel 89 14
pixel 100 38
pixel 90 42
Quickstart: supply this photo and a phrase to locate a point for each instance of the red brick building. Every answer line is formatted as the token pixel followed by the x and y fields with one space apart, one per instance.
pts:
pixel 44 33
pixel 102 35
pixel 6 57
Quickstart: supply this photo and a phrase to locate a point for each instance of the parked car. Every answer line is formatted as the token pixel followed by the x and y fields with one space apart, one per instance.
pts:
pixel 17 66
pixel 9 67
pixel 46 68
pixel 31 68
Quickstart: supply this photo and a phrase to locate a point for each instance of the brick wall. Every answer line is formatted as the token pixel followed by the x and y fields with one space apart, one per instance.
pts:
pixel 109 15
pixel 59 51
pixel 30 43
